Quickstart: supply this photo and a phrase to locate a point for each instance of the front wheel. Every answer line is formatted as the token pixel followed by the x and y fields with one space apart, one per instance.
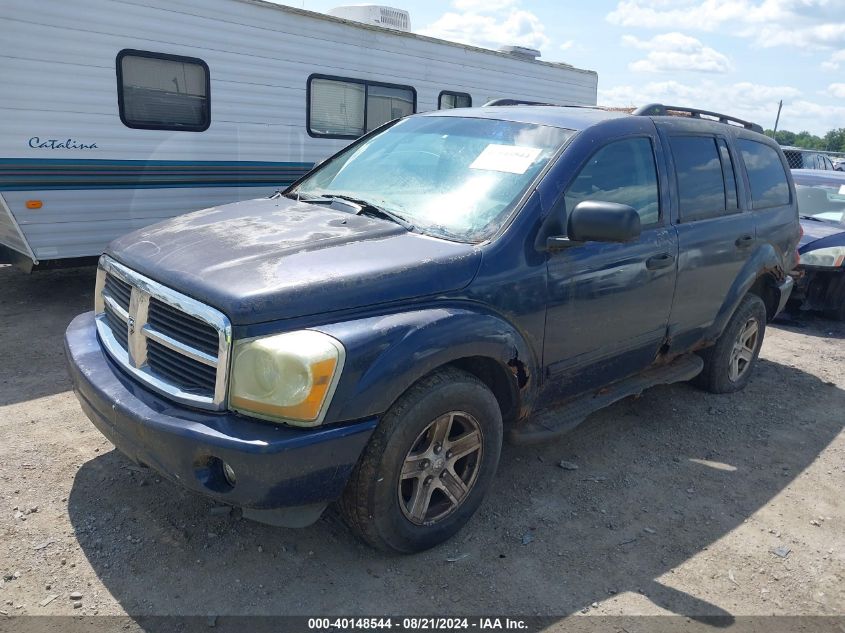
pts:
pixel 427 466
pixel 729 363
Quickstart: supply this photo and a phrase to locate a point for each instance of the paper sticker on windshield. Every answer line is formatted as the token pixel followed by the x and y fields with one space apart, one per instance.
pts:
pixel 842 190
pixel 512 159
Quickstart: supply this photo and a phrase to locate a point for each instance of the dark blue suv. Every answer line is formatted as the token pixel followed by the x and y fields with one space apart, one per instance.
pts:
pixel 370 334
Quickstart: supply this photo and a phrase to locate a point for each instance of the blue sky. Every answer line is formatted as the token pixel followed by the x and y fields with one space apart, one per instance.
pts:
pixel 739 57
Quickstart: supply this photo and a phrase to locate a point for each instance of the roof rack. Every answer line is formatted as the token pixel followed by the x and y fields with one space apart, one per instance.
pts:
pixel 512 102
pixel 658 109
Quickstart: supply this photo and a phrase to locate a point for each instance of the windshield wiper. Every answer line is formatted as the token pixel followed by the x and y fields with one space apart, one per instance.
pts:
pixel 369 208
pixel 811 217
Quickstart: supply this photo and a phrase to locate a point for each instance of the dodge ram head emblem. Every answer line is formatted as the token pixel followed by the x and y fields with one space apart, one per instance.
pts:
pixel 131 325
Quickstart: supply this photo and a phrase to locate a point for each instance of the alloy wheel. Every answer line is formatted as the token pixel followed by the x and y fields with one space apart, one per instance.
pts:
pixel 743 350
pixel 441 468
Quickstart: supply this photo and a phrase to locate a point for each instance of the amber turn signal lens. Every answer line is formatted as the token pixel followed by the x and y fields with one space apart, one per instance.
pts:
pixel 34 204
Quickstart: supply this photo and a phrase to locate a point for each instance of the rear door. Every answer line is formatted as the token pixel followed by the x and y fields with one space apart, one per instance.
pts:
pixel 715 233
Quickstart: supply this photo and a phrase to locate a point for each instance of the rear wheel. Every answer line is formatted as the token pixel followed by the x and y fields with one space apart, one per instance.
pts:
pixel 427 466
pixel 729 363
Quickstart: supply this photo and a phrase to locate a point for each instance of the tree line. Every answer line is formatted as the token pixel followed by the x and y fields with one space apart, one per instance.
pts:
pixel 833 141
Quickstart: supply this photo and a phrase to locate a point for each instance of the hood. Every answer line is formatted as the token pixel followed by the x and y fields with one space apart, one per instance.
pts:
pixel 271 259
pixel 820 235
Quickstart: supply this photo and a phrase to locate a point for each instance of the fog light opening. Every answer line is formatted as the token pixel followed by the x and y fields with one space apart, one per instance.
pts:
pixel 214 474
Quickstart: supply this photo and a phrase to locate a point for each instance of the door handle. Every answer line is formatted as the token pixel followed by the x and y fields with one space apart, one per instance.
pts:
pixel 744 241
pixel 664 260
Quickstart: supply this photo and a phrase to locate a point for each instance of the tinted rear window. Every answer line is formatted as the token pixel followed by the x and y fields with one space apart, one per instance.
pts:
pixel 769 186
pixel 701 185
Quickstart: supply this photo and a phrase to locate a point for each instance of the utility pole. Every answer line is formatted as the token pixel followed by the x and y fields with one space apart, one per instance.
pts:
pixel 777 120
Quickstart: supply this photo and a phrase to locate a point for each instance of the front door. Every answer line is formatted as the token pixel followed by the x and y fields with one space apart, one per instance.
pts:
pixel 609 303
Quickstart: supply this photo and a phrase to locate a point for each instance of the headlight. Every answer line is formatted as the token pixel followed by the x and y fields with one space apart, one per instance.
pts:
pixel 831 257
pixel 287 377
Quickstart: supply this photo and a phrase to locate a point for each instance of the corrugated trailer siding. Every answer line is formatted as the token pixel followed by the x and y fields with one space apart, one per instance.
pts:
pixel 88 220
pixel 9 233
pixel 27 174
pixel 260 57
pixel 294 44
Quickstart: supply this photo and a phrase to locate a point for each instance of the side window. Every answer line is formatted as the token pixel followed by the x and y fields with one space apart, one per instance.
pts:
pixel 731 203
pixel 336 108
pixel 701 183
pixel 163 92
pixel 623 172
pixel 385 104
pixel 766 176
pixel 449 100
pixel 348 108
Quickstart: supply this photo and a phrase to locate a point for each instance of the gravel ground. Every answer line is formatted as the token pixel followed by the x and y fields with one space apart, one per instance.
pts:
pixel 676 502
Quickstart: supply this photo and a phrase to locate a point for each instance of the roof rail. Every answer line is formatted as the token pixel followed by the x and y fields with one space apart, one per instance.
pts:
pixel 658 109
pixel 512 102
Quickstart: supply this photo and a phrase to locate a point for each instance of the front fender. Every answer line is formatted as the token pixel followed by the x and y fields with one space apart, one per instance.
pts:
pixel 387 354
pixel 763 264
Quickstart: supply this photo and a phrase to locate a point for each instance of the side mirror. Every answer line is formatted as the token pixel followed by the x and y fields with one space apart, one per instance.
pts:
pixel 597 221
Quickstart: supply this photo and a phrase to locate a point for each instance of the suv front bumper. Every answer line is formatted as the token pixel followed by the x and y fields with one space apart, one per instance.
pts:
pixel 282 475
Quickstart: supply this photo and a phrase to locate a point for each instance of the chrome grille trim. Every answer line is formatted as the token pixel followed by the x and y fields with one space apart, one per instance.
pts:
pixel 133 357
pixel 119 291
pixel 176 346
pixel 115 307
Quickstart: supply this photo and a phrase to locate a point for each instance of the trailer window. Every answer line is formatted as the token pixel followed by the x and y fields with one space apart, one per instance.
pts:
pixel 385 104
pixel 449 100
pixel 348 108
pixel 163 92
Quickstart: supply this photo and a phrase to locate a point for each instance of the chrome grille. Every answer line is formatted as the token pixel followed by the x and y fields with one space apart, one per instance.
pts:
pixel 182 371
pixel 118 326
pixel 118 290
pixel 175 344
pixel 183 327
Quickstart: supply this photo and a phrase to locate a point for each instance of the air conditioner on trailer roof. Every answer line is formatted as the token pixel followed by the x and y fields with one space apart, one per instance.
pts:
pixel 375 14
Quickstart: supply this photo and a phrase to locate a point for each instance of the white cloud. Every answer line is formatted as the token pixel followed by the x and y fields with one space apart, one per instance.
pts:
pixel 490 24
pixel 671 52
pixel 753 102
pixel 806 24
pixel 482 6
pixel 836 90
pixel 835 60
pixel 567 45
pixel 809 37
pixel 707 15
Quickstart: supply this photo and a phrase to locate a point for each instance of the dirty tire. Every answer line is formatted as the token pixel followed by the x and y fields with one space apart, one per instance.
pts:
pixel 716 375
pixel 371 504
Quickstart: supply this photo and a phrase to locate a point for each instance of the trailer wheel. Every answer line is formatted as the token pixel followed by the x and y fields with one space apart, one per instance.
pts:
pixel 427 466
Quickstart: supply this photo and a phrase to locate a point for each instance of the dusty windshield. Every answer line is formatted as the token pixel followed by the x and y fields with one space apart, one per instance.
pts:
pixel 821 198
pixel 450 176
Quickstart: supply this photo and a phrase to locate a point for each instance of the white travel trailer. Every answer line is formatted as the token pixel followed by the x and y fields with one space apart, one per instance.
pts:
pixel 117 113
